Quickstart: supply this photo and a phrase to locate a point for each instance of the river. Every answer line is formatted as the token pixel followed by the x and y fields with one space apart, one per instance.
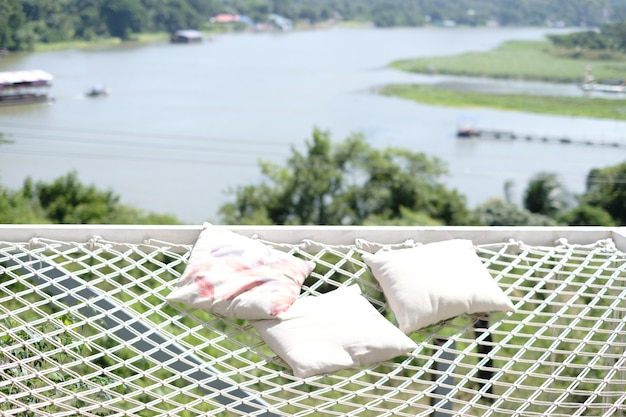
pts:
pixel 185 124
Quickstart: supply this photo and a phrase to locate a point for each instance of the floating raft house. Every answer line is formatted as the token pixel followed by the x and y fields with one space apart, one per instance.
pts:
pixel 19 87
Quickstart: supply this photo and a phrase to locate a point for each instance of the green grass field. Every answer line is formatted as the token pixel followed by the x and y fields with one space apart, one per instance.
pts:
pixel 567 106
pixel 523 60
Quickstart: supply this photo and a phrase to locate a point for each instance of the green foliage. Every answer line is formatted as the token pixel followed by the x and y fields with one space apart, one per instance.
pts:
pixel 606 188
pixel 589 39
pixel 497 212
pixel 347 183
pixel 546 195
pixel 12 21
pixel 586 215
pixel 90 23
pixel 4 140
pixel 526 60
pixel 24 23
pixel 386 14
pixel 16 209
pixel 331 184
pixel 612 37
pixel 123 17
pixel 569 106
pixel 68 201
pixel 172 15
pixel 406 218
pixel 478 12
pixel 548 203
pixel 618 8
pixel 38 355
pixel 616 33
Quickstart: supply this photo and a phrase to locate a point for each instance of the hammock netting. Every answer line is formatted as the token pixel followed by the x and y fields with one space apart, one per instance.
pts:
pixel 85 330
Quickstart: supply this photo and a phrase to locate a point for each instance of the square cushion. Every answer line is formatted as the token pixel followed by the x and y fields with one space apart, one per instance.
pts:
pixel 333 331
pixel 437 281
pixel 235 276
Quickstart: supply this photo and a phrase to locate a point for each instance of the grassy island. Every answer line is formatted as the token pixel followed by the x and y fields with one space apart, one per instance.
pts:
pixel 565 106
pixel 520 60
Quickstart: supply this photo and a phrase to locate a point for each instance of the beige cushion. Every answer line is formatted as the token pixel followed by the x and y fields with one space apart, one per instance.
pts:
pixel 331 332
pixel 433 282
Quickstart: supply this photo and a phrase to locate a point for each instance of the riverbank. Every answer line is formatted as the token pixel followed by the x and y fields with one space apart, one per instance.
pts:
pixel 140 38
pixel 146 38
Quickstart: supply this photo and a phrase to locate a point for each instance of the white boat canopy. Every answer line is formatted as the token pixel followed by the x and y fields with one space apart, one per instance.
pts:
pixel 29 77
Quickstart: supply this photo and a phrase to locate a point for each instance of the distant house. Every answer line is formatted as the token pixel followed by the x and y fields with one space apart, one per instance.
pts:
pixel 225 18
pixel 186 36
pixel 282 23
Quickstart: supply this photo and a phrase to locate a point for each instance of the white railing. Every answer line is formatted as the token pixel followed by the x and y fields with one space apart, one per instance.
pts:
pixel 85 328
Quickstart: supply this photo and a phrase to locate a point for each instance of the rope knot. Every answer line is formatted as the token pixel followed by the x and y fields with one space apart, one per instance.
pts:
pixel 91 243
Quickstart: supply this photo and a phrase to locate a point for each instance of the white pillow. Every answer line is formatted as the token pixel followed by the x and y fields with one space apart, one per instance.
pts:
pixel 234 276
pixel 331 332
pixel 437 281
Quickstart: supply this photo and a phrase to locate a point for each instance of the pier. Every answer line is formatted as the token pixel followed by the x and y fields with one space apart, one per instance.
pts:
pixel 487 134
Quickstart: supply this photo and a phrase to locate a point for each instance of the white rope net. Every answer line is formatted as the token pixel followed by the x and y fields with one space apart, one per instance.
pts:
pixel 85 330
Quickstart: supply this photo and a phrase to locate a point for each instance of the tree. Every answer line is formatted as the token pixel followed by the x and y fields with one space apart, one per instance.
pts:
pixel 387 14
pixel 51 21
pixel 206 8
pixel 67 201
pixel 15 209
pixel 586 215
pixel 90 23
pixel 24 22
pixel 12 21
pixel 304 192
pixel 283 8
pixel 509 188
pixel 617 34
pixel 172 15
pixel 606 188
pixel 347 183
pixel 407 218
pixel 546 195
pixel 497 212
pixel 257 10
pixel 123 17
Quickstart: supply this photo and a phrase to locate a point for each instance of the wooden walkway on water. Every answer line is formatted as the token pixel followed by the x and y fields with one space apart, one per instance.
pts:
pixel 469 133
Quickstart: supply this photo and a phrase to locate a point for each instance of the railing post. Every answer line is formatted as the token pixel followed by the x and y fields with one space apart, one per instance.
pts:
pixel 443 379
pixel 481 331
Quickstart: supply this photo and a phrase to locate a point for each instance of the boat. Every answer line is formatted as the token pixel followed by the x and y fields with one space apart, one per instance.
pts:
pixel 467 129
pixel 605 87
pixel 24 87
pixel 467 132
pixel 590 84
pixel 186 36
pixel 98 90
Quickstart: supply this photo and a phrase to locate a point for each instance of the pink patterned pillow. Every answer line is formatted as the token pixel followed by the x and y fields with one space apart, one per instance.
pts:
pixel 234 276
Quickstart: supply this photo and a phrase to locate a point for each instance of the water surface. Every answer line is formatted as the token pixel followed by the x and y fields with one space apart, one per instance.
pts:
pixel 186 123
